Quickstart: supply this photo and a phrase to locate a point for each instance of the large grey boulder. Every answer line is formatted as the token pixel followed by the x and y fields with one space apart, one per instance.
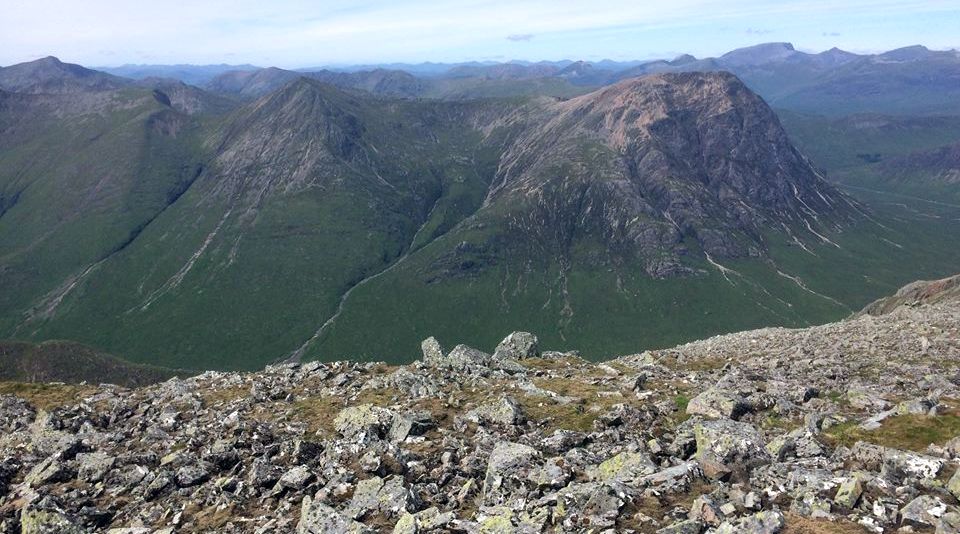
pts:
pixel 48 522
pixel 364 421
pixel 504 411
pixel 517 346
pixel 924 511
pixel 463 357
pixel 387 497
pixel 894 461
pixel 730 443
pixel 716 403
pixel 765 522
pixel 625 466
pixel 319 518
pixel 507 470
pixel 432 351
pixel 597 504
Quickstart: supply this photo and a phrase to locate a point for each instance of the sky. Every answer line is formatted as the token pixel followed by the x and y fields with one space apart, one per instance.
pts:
pixel 302 33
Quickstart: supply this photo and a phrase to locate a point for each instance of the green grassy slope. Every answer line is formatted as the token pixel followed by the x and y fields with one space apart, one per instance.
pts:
pixel 80 188
pixel 857 149
pixel 605 312
pixel 66 361
pixel 243 267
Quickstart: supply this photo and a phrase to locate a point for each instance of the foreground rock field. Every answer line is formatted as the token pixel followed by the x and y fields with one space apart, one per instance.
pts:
pixel 842 428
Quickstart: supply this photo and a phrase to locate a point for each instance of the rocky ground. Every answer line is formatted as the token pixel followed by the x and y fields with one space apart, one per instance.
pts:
pixel 842 428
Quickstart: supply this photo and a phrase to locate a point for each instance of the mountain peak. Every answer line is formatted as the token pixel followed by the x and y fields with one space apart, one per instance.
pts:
pixel 50 75
pixel 759 54
pixel 693 155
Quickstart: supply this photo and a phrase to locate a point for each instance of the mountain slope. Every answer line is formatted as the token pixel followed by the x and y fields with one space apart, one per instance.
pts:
pixel 641 212
pixel 257 83
pixel 315 222
pixel 50 75
pixel 81 175
pixel 72 363
pixel 256 244
pixel 916 294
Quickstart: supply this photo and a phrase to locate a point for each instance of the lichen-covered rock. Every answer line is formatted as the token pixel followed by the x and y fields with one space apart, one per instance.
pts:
pixel 507 470
pixel 894 461
pixel 319 518
pixel 364 421
pixel 296 478
pixel 34 521
pixel 717 403
pixel 765 522
pixel 192 475
pixel 432 351
pixel 595 504
pixel 730 443
pixel 625 466
pixel 810 504
pixel 517 346
pixel 503 411
pixel 849 492
pixel 427 520
pixel 386 497
pixel 48 471
pixel 687 526
pixel 925 510
pixel 463 358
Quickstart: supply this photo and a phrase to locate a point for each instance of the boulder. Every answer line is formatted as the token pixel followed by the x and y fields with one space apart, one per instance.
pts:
pixel 296 478
pixel 923 511
pixel 849 492
pixel 319 518
pixel 377 496
pixel 48 522
pixel 364 421
pixel 687 526
pixel 894 462
pixel 507 470
pixel 953 485
pixel 504 411
pixel 517 346
pixel 626 466
pixel 432 351
pixel 766 522
pixel 730 443
pixel 716 403
pixel 192 475
pixel 94 466
pixel 427 520
pixel 597 504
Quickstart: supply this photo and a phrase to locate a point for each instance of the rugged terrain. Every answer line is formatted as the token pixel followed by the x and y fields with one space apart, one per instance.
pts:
pixel 129 209
pixel 842 428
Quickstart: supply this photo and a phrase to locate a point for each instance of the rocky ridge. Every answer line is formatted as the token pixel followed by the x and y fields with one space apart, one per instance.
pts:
pixel 845 427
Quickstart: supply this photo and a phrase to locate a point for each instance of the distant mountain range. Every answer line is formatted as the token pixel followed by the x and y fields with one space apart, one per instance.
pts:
pixel 275 214
pixel 911 80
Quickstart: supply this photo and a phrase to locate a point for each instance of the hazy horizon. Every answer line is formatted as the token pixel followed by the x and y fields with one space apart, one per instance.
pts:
pixel 299 34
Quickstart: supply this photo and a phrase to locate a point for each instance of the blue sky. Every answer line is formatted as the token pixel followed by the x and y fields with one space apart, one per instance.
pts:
pixel 301 33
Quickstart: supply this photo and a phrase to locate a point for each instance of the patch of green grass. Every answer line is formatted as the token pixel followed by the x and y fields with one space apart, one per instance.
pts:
pixel 906 432
pixel 46 396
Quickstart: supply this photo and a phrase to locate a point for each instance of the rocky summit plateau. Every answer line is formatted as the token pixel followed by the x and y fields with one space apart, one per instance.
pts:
pixel 847 427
